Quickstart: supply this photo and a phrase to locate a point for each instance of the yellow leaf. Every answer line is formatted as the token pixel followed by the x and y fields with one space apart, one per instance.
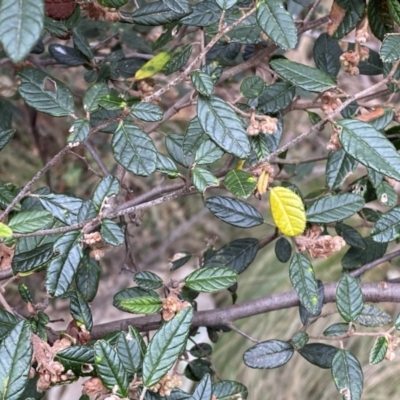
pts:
pixel 152 67
pixel 5 231
pixel 287 211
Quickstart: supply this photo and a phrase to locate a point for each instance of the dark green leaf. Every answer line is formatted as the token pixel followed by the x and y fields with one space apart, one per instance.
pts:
pixel 92 96
pixel 207 153
pixel 350 235
pixel 372 65
pixel 347 374
pixel 7 323
pixel 79 131
pixel 269 354
pixel 66 55
pixel 25 293
pixel 356 257
pixel 107 187
pixel 147 280
pixel 15 361
pixel 129 352
pixel 326 53
pixel 29 221
pixel 196 369
pixel 110 369
pixel 64 208
pixel 202 179
pixel 234 212
pixel 372 316
pixel 134 150
pixel 283 250
pixel 354 13
pixel 277 23
pixel 222 124
pixel 201 350
pixel 44 93
pixel 224 390
pixel 211 279
pixel 111 233
pixel 334 208
pixel 180 7
pixel 299 340
pixel 80 311
pixel 202 82
pixel 174 143
pixel 370 147
pixel 113 3
pixel 226 4
pixel 203 390
pixel 349 298
pixel 21 24
pixel 303 280
pixel 61 271
pixel 379 18
pixel 147 112
pixel 154 14
pixel 165 346
pixel 137 300
pixel 81 43
pixel 240 183
pixel 179 259
pixel 194 137
pixel 379 350
pixel 204 13
pixel 178 61
pixel 167 166
pixel 78 359
pixel 252 87
pixel 319 354
pixel 386 194
pixel 276 97
pixel 112 102
pixel 30 260
pixel 387 228
pixel 338 329
pixel 5 136
pixel 303 76
pixel 87 277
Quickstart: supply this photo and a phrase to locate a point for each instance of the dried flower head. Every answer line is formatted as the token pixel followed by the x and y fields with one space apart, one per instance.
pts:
pixel 165 386
pixel 268 125
pixel 172 305
pixel 93 387
pixel 350 61
pixel 330 102
pixel 334 143
pixel 319 246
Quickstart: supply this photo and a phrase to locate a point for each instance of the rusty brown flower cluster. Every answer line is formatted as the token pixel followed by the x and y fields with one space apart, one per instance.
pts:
pixel 172 305
pixel 165 386
pixel 261 124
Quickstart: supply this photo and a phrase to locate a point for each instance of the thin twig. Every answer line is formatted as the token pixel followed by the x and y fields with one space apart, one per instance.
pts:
pixel 240 332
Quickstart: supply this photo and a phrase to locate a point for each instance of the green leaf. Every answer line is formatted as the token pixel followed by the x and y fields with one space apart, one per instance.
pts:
pixel 268 354
pixel 202 82
pixel 129 352
pixel 283 250
pixel 349 298
pixel 334 208
pixel 276 97
pixel 211 279
pixel 112 102
pixel 223 126
pixel 64 208
pixel 237 255
pixel 110 369
pixel 45 94
pixel 378 350
pixel 178 60
pixel 195 370
pixel 21 24
pixel 167 166
pixel 394 10
pixel 390 48
pixel 147 280
pixel 240 183
pixel 350 235
pixel 29 221
pixel 204 13
pixel 80 131
pixel 147 112
pixel 154 14
pixel 202 179
pixel 66 55
pixel 113 3
pixel 7 323
pixel 92 96
pixel 107 187
pixel 386 194
pixel 397 322
pixel 165 347
pixel 347 374
pixel 111 233
pixel 252 87
pixel 207 153
pixel 303 280
pixel 234 212
pixel 78 359
pixel 372 65
pixel 277 23
pixel 387 228
pixel 326 53
pixel 226 4
pixel 372 316
pixel 379 18
pixel 305 315
pixel 87 277
pixel 224 390
pixel 61 271
pixel 174 144
pixel 81 43
pixel 134 150
pixel 30 260
pixel 303 76
pixel 200 350
pixel 299 340
pixel 5 136
pixel 80 311
pixel 354 13
pixel 193 138
pixel 338 329
pixel 319 354
pixel 180 7
pixel 356 257
pixel 141 305
pixel 370 147
pixel 5 231
pixel 203 390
